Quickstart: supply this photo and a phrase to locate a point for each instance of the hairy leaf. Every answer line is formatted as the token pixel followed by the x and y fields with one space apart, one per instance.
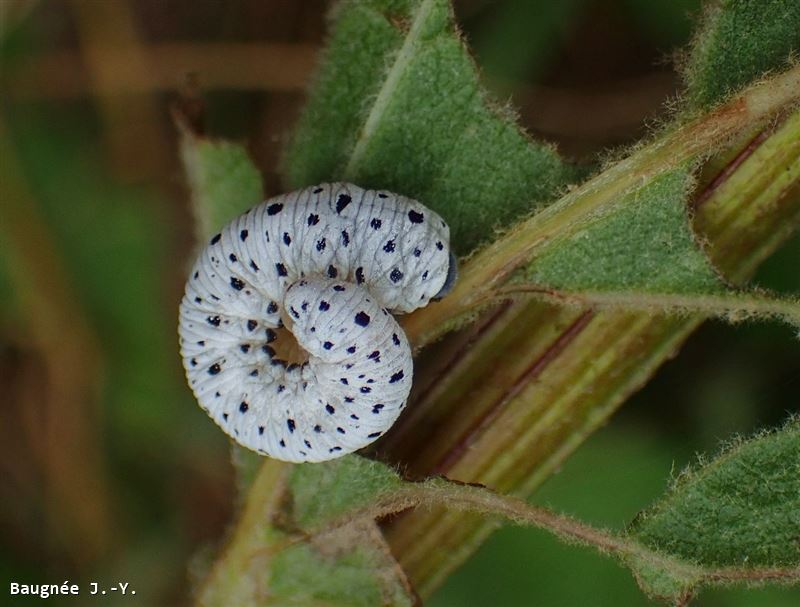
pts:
pixel 223 181
pixel 398 105
pixel 740 510
pixel 740 41
pixel 361 572
pixel 642 242
pixel 324 491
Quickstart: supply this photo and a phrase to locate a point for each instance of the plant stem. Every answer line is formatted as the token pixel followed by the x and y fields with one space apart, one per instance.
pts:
pixel 698 138
pixel 540 379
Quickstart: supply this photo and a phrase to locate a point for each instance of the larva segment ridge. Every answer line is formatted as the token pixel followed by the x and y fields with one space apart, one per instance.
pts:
pixel 331 261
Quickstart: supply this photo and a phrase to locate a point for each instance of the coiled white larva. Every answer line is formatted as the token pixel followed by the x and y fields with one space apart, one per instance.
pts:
pixel 331 262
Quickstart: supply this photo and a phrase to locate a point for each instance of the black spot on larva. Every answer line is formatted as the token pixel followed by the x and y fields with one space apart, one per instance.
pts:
pixel 351 350
pixel 198 299
pixel 396 377
pixel 268 351
pixel 272 308
pixel 313 329
pixel 425 275
pixel 196 275
pixel 415 217
pixel 340 430
pixel 332 272
pixel 361 319
pixel 243 407
pixel 267 235
pixel 271 336
pixel 313 219
pixel 260 430
pixel 396 275
pixel 389 246
pixel 317 190
pixel 281 269
pixel 281 388
pixel 213 321
pixel 274 209
pixel 307 444
pixel 236 283
pixel 216 395
pixel 365 390
pixel 342 202
pixel 375 355
pixel 374 434
pixel 359 275
pixel 354 416
pixel 216 239
pixel 382 195
pixel 287 240
pixel 324 306
pixel 333 449
pixel 317 428
pixel 329 408
pixel 349 399
pixel 345 238
pixel 321 244
pixel 233 258
pixel 439 245
pixel 243 235
pixel 304 306
pixel 327 345
pixel 417 252
pixel 375 224
pixel 214 297
pixel 225 416
pixel 294 312
pixel 377 408
pixel 251 325
pixel 282 443
pixel 245 348
pixel 254 266
pixel 201 343
pixel 214 369
pixel 344 381
pixel 339 288
pixel 193 362
pixel 395 339
pixel 254 373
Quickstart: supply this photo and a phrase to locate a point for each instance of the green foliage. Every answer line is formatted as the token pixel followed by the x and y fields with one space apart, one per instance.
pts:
pixel 398 105
pixel 739 41
pixel 643 243
pixel 740 510
pixel 222 178
pixel 370 119
pixel 302 575
pixel 322 492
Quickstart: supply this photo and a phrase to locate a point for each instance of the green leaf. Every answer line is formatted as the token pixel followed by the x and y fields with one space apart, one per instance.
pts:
pixel 740 510
pixel 223 181
pixel 402 109
pixel 324 491
pixel 362 577
pixel 642 242
pixel 739 41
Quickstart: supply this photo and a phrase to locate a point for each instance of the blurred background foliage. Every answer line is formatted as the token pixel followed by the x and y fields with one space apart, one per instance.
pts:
pixel 110 471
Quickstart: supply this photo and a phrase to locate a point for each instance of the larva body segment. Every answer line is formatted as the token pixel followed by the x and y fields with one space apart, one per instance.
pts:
pixel 331 261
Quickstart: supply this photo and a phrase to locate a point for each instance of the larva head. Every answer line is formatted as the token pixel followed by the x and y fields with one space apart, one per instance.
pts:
pixel 425 268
